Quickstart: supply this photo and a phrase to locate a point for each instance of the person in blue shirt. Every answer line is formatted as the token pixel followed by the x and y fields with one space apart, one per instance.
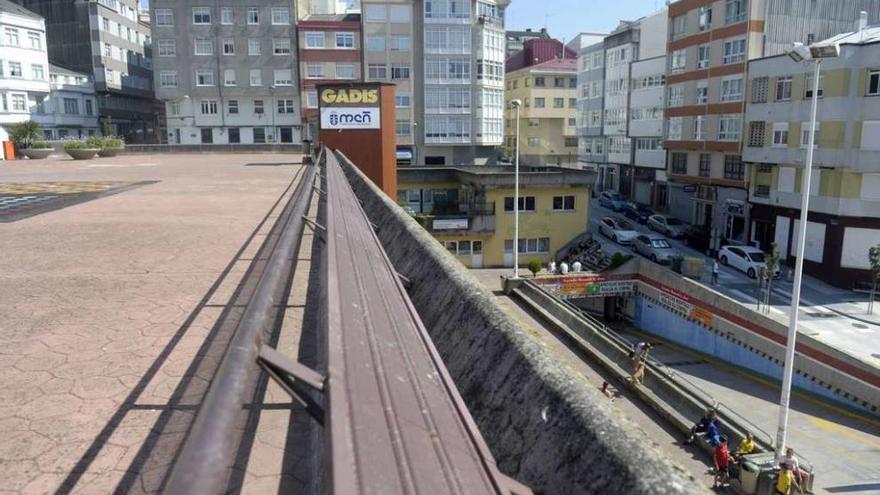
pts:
pixel 708 425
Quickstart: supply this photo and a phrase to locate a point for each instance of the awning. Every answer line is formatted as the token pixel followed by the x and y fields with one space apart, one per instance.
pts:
pixel 404 155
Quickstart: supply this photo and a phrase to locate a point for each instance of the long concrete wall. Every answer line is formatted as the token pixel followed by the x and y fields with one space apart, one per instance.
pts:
pixel 545 427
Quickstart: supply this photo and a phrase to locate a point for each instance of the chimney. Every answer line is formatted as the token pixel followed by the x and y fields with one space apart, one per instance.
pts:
pixel 863 23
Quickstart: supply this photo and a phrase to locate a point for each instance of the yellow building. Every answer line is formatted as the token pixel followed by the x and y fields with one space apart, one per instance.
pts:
pixel 548 134
pixel 470 210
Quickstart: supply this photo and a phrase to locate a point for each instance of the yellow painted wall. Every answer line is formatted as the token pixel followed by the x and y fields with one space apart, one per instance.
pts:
pixel 850 185
pixel 832 134
pixel 552 123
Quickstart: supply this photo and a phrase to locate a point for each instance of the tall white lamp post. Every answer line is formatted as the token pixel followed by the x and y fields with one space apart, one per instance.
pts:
pixel 800 53
pixel 516 104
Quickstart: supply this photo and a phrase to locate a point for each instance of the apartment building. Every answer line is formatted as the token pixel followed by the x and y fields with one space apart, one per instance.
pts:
pixel 590 108
pixel 460 81
pixel 548 116
pixel 227 75
pixel 537 51
pixel 105 39
pixel 24 64
pixel 71 111
pixel 516 40
pixel 710 44
pixel 330 51
pixel 844 217
pixel 389 49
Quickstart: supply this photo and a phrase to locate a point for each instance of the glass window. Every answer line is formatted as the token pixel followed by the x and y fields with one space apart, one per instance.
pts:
pixel 315 70
pixel 286 107
pixel 256 77
pixel 705 165
pixel 705 17
pixel 228 46
pixel 732 89
pixel 702 92
pixel 734 11
pixel 674 128
pixel 226 16
pixel 253 15
pixel 314 39
pixel 345 40
pixel 539 102
pixel 402 99
pixel 734 169
pixel 759 89
pixel 37 72
pixel 254 46
pixel 679 163
pixel 563 203
pixel 259 135
pixel 280 16
pixel 873 86
pixel 402 127
pixel 259 109
pixel 699 128
pixel 377 71
pixel 729 127
pixel 400 43
pixel 757 130
pixel 734 51
pixel 232 107
pixel 35 40
pixel 703 56
pixel 344 71
pixel 780 134
pixel 526 203
pixel 203 46
pixel 679 26
pixel 283 77
pixel 164 17
pixel 167 48
pixel 204 78
pixel 229 77
pixel 399 13
pixel 558 102
pixel 805 134
pixel 783 88
pixel 281 46
pixel 209 107
pixel 399 71
pixel 376 43
pixel 808 87
pixel 201 15
pixel 168 79
pixel 374 13
pixel 678 61
pixel 312 98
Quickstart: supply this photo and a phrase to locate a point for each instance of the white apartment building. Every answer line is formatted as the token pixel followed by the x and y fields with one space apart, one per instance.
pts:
pixel 71 111
pixel 24 64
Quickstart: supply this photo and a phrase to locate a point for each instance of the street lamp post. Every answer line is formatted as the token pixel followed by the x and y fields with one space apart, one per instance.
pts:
pixel 800 53
pixel 516 104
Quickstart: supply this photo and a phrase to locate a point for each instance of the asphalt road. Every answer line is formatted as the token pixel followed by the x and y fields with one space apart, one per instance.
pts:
pixel 834 316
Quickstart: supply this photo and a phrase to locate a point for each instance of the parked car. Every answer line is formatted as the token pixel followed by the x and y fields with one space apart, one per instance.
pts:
pixel 612 200
pixel 656 248
pixel 617 230
pixel 669 226
pixel 637 212
pixel 747 259
pixel 697 237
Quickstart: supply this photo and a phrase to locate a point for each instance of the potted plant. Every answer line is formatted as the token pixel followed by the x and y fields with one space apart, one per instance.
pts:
pixel 38 150
pixel 111 146
pixel 25 135
pixel 81 150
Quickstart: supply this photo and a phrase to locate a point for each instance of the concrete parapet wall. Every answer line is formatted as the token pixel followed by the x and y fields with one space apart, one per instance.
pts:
pixel 545 427
pixel 212 148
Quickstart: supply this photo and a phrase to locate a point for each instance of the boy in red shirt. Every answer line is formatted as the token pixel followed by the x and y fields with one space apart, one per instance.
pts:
pixel 722 463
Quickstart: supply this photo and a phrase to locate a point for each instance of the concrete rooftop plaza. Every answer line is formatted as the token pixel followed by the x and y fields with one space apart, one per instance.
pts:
pixel 116 307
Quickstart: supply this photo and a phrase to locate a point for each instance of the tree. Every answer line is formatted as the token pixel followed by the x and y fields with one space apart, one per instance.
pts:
pixel 535 266
pixel 874 259
pixel 773 263
pixel 23 134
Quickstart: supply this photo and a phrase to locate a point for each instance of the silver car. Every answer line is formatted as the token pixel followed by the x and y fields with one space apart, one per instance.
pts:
pixel 617 230
pixel 666 225
pixel 656 248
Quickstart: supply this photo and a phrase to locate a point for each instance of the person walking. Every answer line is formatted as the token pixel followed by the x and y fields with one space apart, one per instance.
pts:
pixel 640 357
pixel 722 463
pixel 714 272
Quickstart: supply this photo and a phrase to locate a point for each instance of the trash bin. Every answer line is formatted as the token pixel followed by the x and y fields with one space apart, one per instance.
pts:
pixel 8 150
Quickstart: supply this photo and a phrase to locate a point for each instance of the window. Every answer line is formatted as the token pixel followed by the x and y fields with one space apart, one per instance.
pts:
pixel 402 99
pixel 873 83
pixel 203 46
pixel 286 107
pixel 71 106
pixel 12 37
pixel 204 78
pixel 808 87
pixel 35 40
pixel 399 71
pixel 345 40
pixel 734 51
pixel 679 163
pixel 539 102
pixel 37 72
pixel 253 46
pixel 729 127
pixel 533 142
pixel 780 134
pixel 167 48
pixel 314 39
pixel 676 96
pixel 760 87
pixel 674 128
pixel 402 127
pixel 253 15
pixel 734 11
pixel 15 69
pixel 280 16
pixel 702 92
pixel 558 102
pixel 311 98
pixel 201 15
pixel 539 82
pixel 283 77
pixel 540 245
pixel 732 89
pixel 164 17
pixel 375 13
pixel 259 135
pixel 700 127
pixel 703 55
pixel 399 13
pixel 783 88
pixel 733 167
pixel 757 131
pixel 376 43
pixel 705 17
pixel 258 107
pixel 558 82
pixel 526 203
pixel 805 134
pixel 315 70
pixel 256 77
pixel 281 46
pixel 19 103
pixel 400 43
pixel 678 61
pixel 232 107
pixel 344 71
pixel 228 46
pixel 679 26
pixel 563 203
pixel 168 79
pixel 209 107
pixel 377 71
pixel 108 50
pixel 705 165
pixel 572 102
pixel 226 16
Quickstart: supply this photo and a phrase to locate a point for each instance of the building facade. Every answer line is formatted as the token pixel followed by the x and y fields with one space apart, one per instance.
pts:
pixel 710 44
pixel 590 108
pixel 24 65
pixel 515 41
pixel 329 52
pixel 470 210
pixel 71 111
pixel 844 217
pixel 227 75
pixel 106 40
pixel 548 117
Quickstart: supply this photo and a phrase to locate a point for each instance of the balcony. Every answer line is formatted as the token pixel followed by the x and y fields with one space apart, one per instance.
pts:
pixel 448 218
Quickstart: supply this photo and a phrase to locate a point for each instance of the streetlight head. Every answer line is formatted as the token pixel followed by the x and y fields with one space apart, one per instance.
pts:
pixel 830 50
pixel 799 52
pixel 516 103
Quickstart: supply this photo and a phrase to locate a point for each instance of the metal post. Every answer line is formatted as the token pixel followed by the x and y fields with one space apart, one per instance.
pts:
pixel 798 272
pixel 516 202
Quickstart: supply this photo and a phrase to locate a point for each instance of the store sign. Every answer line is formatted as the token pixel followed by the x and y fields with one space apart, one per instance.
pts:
pixel 451 224
pixel 579 287
pixel 352 107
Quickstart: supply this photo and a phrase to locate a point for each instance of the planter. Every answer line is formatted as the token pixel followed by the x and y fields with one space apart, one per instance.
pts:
pixel 36 153
pixel 82 154
pixel 108 152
